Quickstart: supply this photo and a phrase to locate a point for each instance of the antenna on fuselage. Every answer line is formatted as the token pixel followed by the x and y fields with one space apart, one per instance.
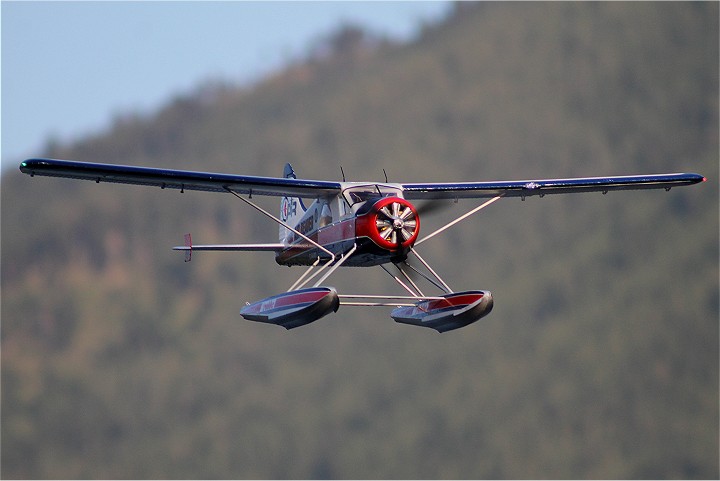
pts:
pixel 343 173
pixel 386 181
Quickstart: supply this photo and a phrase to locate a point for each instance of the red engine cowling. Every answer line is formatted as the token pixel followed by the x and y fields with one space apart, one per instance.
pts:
pixel 392 223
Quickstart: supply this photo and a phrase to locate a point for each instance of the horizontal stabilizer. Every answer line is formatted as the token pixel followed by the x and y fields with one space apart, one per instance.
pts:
pixel 189 247
pixel 232 247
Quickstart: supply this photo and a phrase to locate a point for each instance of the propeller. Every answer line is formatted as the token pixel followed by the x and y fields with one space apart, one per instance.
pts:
pixel 397 222
pixel 433 206
pixel 393 223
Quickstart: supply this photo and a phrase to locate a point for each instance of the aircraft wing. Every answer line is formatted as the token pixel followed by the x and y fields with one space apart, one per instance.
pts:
pixel 527 188
pixel 179 179
pixel 277 186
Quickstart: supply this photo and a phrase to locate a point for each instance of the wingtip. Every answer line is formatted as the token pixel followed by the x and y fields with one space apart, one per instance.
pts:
pixel 696 178
pixel 26 168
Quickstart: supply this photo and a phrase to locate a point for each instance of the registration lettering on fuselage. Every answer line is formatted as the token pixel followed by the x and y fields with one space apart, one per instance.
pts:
pixel 288 208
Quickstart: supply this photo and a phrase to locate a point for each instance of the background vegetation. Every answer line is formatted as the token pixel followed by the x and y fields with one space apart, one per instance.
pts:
pixel 600 359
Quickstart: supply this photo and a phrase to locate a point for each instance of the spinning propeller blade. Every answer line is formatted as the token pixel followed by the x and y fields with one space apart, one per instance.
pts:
pixel 432 206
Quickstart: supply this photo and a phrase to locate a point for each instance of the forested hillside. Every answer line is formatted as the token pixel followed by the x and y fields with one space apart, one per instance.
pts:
pixel 599 360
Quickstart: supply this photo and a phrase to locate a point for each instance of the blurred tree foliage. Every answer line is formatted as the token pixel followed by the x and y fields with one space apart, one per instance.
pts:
pixel 600 359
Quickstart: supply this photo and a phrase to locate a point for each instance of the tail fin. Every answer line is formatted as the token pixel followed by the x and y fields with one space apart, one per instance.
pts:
pixel 291 208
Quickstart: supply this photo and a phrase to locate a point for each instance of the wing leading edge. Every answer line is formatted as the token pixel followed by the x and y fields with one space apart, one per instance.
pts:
pixel 179 179
pixel 527 188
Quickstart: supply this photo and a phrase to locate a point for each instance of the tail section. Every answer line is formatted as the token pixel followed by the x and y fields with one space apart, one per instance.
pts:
pixel 291 208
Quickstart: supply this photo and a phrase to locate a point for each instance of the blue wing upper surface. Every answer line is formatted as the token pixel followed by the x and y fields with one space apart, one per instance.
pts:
pixel 179 179
pixel 526 188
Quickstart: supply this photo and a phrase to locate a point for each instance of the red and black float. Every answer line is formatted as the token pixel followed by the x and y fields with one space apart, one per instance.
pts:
pixel 295 308
pixel 447 312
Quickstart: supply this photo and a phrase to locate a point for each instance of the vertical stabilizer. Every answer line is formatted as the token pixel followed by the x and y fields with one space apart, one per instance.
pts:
pixel 291 208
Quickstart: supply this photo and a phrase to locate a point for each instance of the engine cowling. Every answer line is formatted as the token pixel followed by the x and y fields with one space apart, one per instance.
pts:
pixel 392 223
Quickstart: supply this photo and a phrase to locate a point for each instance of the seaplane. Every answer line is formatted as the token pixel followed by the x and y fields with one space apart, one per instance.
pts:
pixel 324 225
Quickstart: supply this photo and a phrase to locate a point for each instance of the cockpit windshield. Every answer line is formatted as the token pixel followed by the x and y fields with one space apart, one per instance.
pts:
pixel 362 193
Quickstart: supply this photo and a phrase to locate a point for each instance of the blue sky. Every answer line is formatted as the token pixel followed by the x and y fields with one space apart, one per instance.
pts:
pixel 69 67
